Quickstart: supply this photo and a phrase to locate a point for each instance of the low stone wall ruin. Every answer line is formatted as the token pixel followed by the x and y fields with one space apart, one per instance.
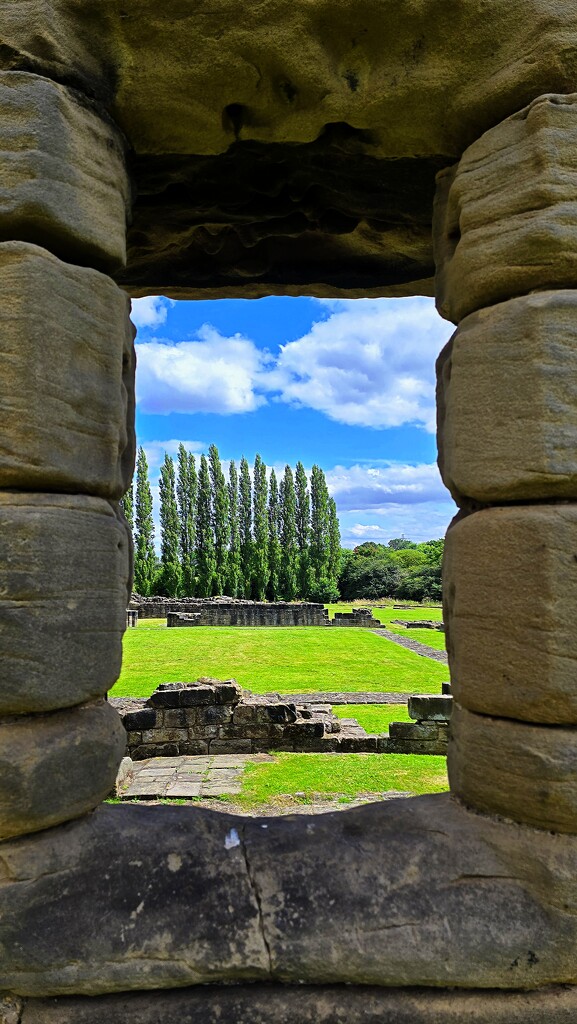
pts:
pixel 214 717
pixel 419 624
pixel 357 617
pixel 248 613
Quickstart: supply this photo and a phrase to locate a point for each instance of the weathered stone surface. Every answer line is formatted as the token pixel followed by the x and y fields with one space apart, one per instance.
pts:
pixel 133 897
pixel 64 183
pixel 521 771
pixel 304 1004
pixel 510 597
pixel 67 386
pixel 507 401
pixel 430 707
pixel 57 766
pixel 331 122
pixel 513 192
pixel 64 573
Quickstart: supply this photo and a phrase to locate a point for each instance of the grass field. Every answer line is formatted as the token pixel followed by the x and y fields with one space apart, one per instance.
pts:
pixel 343 775
pixel 289 660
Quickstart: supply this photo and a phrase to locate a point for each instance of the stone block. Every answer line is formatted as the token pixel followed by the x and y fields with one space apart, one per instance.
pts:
pixel 507 402
pixel 57 766
pixel 505 218
pixel 67 386
pixel 147 750
pixel 175 718
pixel 303 1004
pixel 520 771
pixel 166 696
pixel 395 745
pixel 145 719
pixel 162 736
pixel 193 696
pixel 133 739
pixel 193 747
pixel 357 744
pixel 64 574
pixel 230 746
pixel 422 869
pixel 216 715
pixel 430 707
pixel 245 713
pixel 414 730
pixel 64 181
pixel 229 692
pixel 304 730
pixel 275 713
pixel 205 731
pixel 510 596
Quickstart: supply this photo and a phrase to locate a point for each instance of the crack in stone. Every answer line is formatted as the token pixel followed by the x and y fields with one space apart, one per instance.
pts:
pixel 258 900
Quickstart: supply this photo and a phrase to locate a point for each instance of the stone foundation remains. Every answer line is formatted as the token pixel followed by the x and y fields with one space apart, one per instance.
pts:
pixel 419 624
pixel 357 617
pixel 246 613
pixel 215 717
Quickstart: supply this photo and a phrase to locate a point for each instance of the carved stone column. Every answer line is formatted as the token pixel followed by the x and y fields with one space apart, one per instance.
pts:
pixel 506 254
pixel 66 453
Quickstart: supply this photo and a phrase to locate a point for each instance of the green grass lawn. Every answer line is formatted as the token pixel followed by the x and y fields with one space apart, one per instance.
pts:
pixel 343 775
pixel 285 660
pixel 374 718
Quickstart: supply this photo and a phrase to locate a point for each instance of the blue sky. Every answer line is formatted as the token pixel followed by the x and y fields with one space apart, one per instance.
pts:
pixel 346 384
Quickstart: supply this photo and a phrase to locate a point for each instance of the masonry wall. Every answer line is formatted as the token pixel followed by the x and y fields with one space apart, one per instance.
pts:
pixel 233 613
pixel 214 717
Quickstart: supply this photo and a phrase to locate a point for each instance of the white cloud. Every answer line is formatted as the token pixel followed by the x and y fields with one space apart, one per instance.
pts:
pixel 210 375
pixel 365 530
pixel 154 451
pixel 370 364
pixel 362 488
pixel 151 311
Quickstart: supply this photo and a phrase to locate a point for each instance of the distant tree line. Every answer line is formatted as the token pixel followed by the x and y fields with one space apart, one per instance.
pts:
pixel 400 569
pixel 249 536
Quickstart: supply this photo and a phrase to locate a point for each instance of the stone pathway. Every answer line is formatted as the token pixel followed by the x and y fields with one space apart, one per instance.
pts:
pixel 187 777
pixel 346 698
pixel 413 645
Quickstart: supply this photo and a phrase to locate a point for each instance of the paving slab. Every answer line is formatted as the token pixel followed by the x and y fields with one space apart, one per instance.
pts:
pixel 188 776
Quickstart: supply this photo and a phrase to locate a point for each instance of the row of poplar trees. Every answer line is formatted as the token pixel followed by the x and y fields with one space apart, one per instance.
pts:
pixel 247 537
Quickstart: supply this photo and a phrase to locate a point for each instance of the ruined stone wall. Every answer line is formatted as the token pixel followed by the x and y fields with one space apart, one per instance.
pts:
pixel 248 613
pixel 357 617
pixel 215 717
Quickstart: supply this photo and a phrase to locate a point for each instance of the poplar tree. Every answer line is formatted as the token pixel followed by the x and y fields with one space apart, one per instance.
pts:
pixel 186 486
pixel 127 506
pixel 205 559
pixel 245 528
pixel 260 571
pixel 319 549
pixel 144 554
pixel 334 542
pixel 220 519
pixel 288 537
pixel 303 518
pixel 233 566
pixel 170 576
pixel 274 548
